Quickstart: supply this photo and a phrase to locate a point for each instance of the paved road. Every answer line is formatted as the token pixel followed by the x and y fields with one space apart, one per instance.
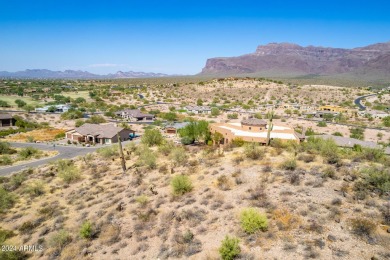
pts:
pixel 65 152
pixel 357 101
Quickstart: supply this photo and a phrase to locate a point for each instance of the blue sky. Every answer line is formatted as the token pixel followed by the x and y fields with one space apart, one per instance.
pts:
pixel 172 36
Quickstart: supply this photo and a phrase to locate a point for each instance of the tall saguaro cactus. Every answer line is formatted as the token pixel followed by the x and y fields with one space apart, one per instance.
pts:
pixel 122 157
pixel 270 125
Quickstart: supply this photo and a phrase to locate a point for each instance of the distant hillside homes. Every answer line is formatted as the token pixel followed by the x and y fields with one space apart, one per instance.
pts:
pixel 134 115
pixel 53 109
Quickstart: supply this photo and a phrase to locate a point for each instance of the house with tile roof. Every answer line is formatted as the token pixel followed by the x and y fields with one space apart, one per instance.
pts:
pixel 98 134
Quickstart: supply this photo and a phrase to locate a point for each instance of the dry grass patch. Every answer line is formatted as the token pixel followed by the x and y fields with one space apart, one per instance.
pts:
pixel 42 135
pixel 109 234
pixel 285 220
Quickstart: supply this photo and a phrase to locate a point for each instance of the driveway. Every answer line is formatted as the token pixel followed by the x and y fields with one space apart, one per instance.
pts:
pixel 64 152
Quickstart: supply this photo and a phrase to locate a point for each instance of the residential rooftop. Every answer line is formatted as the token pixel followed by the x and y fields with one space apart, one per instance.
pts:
pixel 254 122
pixel 100 130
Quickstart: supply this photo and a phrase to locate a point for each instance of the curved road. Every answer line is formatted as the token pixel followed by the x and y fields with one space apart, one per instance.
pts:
pixel 357 101
pixel 65 152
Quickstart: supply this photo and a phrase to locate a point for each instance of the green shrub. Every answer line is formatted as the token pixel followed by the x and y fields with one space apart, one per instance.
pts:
pixel 5 148
pixel 7 200
pixel 278 143
pixel 146 157
pixel 5 160
pixel 238 142
pixel 27 227
pixel 72 114
pixel 322 124
pixel 186 140
pixel 35 188
pixel 86 230
pixel 252 221
pixel 195 130
pixel 333 158
pixel 69 174
pixel 67 171
pixel 289 164
pixel 13 255
pixel 166 148
pixel 372 154
pixel 4 103
pixel 378 177
pixel 142 200
pixel 181 184
pixel 152 137
pixel 96 119
pixel 6 132
pixel 230 248
pixel 326 147
pixel 179 156
pixel 79 123
pixel 215 111
pixel 357 133
pixel 386 121
pixel 329 172
pixel 5 234
pixel 109 151
pixel 63 164
pixel 259 116
pixel 310 132
pixel 28 152
pixel 357 148
pixel 232 116
pixel 170 116
pixel 60 239
pixel 253 151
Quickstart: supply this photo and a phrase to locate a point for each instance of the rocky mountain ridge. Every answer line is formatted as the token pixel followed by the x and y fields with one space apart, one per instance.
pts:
pixel 282 58
pixel 75 74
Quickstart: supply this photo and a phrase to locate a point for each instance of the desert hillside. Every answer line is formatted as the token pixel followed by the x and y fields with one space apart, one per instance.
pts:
pixel 311 200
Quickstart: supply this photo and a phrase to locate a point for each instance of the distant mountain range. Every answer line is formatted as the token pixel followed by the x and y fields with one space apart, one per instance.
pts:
pixel 75 74
pixel 291 60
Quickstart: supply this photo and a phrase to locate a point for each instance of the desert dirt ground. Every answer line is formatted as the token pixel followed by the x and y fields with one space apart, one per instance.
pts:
pixel 308 215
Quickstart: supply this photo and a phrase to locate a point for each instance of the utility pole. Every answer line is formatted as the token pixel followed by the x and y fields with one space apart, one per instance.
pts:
pixel 122 157
pixel 270 125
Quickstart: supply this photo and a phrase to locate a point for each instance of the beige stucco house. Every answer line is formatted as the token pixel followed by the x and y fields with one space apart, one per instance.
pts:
pixel 101 134
pixel 253 130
